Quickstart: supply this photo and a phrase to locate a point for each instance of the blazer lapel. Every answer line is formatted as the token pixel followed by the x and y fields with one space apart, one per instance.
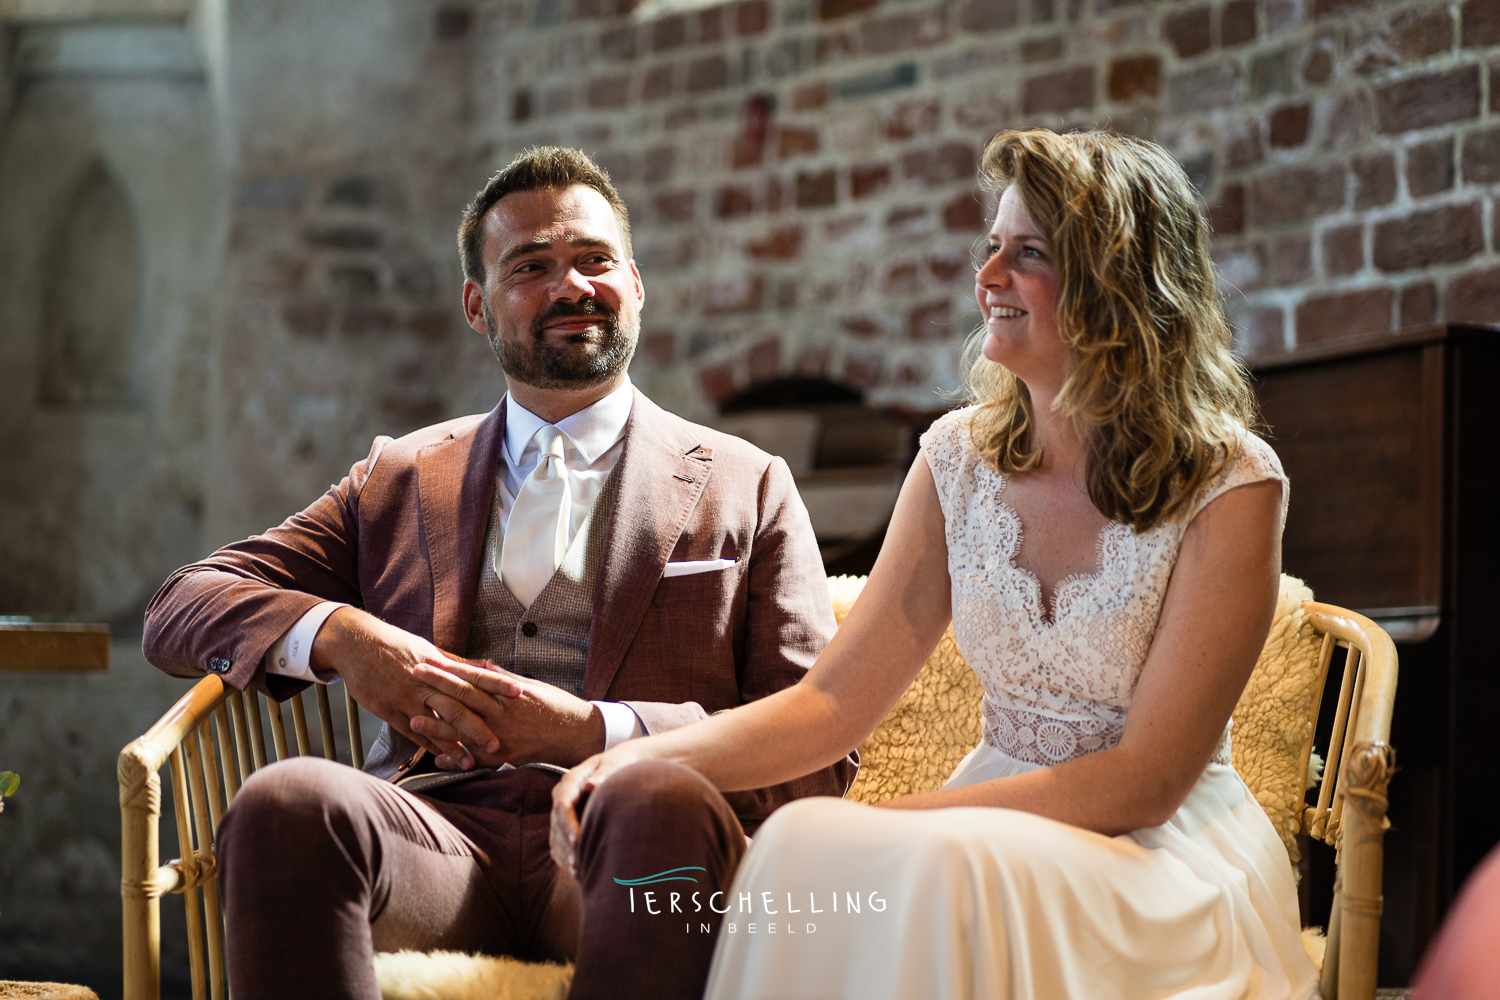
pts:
pixel 456 485
pixel 659 480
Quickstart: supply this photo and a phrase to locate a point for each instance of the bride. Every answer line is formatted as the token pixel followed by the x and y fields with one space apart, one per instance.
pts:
pixel 1104 532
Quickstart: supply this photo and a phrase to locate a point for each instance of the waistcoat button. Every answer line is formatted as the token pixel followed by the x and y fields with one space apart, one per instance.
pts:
pixel 528 629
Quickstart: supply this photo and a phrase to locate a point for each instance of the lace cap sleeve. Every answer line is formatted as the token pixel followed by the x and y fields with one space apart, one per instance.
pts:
pixel 1254 462
pixel 947 449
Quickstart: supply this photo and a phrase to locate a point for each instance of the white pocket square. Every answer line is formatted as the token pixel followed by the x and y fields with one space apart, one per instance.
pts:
pixel 692 566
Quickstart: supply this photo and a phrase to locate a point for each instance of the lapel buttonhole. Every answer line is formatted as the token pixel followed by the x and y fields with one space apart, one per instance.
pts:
pixel 686 479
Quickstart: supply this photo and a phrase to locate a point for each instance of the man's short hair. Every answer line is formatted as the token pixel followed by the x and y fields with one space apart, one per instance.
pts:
pixel 537 169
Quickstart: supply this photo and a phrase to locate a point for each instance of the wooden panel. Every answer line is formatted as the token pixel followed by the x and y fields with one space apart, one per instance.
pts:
pixel 54 648
pixel 1360 438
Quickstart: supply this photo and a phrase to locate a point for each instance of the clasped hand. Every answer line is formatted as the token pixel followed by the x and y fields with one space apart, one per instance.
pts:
pixel 535 722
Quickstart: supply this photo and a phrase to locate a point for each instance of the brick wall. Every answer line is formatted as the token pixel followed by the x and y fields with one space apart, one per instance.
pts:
pixel 801 172
pixel 801 180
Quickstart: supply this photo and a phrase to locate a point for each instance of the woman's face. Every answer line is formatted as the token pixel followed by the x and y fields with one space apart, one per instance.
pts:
pixel 1017 288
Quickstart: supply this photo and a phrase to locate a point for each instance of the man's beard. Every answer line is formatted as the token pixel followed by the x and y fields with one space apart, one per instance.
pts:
pixel 574 364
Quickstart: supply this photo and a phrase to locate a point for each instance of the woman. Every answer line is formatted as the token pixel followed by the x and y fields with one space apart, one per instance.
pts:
pixel 1104 532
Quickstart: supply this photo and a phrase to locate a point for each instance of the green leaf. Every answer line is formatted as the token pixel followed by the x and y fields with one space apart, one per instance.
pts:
pixel 9 782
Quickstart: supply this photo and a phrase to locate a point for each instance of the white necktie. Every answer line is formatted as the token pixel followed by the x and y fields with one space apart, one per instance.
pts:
pixel 536 536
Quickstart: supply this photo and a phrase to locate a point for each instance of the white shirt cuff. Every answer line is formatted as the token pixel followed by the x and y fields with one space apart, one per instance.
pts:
pixel 620 723
pixel 291 655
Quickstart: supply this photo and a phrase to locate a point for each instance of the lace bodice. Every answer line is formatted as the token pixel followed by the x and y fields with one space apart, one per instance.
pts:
pixel 1057 688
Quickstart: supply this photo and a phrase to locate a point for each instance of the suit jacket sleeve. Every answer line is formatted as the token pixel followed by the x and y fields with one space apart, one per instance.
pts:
pixel 221 614
pixel 788 621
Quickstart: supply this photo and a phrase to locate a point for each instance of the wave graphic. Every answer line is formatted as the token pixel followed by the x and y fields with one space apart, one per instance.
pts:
pixel 670 875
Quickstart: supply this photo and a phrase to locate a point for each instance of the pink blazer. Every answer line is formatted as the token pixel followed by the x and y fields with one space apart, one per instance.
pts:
pixel 402 537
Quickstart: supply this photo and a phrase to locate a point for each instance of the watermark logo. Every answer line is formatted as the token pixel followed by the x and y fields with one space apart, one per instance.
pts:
pixel 670 875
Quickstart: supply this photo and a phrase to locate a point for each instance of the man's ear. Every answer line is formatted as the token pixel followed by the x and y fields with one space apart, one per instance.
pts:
pixel 640 286
pixel 474 306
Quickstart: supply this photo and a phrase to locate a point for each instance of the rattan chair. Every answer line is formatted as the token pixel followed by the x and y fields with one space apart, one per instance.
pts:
pixel 213 740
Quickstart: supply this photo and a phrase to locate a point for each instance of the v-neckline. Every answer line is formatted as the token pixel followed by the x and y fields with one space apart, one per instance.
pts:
pixel 1043 610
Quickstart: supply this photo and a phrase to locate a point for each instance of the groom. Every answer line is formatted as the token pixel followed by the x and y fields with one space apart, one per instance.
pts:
pixel 616 570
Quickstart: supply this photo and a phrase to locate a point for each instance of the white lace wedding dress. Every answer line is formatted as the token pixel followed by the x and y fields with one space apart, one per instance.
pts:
pixel 837 899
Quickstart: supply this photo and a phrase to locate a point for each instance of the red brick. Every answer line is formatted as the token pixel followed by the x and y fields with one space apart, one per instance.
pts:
pixel 899 32
pixel 453 22
pixel 787 294
pixel 909 220
pixel 676 206
pixel 751 17
pixel 1227 214
pixel 1417 34
pixel 1443 235
pixel 734 295
pixel 965 213
pixel 987 15
pixel 1495 88
pixel 669 33
pixel 813 362
pixel 1343 250
pixel 1242 145
pixel 811 97
pixel 1482 157
pixel 660 347
pixel 782 243
pixel 1297 193
pixel 1429 167
pixel 709 73
pixel 618 43
pixel 1289 126
pixel 1347 315
pixel 363 321
pixel 731 202
pixel 1129 77
pixel 1433 99
pixel 862 369
pixel 307 319
pixel 1292 262
pixel 1189 31
pixel 1330 8
pixel 1035 50
pixel 710 25
pixel 829 10
pixel 658 83
pixel 868 180
pixel 520 106
pixel 864 327
pixel 912 118
pixel 792 141
pixel 951 268
pixel 342 237
pixel 718 383
pixel 1218 84
pixel 1418 304
pixel 1374 180
pixel 902 276
pixel 1481 25
pixel 1064 90
pixel 952 161
pixel 1349 121
pixel 764 360
pixel 605 92
pixel 931 321
pixel 1473 297
pixel 1318 66
pixel 1237 23
pixel 817 190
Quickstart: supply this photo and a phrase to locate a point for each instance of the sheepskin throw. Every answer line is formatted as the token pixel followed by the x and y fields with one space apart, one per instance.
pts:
pixel 450 975
pixel 931 727
pixel 1273 720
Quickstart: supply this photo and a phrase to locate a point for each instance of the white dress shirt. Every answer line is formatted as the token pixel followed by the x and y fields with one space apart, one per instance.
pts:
pixel 592 441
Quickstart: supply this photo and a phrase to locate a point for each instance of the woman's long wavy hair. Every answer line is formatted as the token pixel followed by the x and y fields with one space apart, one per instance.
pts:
pixel 1158 396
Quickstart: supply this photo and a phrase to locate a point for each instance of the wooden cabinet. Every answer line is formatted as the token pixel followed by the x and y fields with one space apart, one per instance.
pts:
pixel 1392 446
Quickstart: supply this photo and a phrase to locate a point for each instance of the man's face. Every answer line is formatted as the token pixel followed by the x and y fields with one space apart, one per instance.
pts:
pixel 561 304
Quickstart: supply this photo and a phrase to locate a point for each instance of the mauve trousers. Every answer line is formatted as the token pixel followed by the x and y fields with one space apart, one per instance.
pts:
pixel 324 865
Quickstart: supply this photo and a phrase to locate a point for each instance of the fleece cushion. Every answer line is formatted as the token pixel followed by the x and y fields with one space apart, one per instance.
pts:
pixel 450 975
pixel 930 729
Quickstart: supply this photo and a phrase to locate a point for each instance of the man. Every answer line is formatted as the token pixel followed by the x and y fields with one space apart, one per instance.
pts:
pixel 631 573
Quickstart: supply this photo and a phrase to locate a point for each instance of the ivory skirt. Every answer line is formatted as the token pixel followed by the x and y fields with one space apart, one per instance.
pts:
pixel 838 899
